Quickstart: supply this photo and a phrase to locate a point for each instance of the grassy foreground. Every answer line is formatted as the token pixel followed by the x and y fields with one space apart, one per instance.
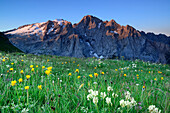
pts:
pixel 38 84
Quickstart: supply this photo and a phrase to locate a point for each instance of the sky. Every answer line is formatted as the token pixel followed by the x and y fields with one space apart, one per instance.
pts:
pixel 144 15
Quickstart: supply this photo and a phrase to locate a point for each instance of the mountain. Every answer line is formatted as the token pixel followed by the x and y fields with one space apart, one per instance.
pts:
pixel 5 44
pixel 91 37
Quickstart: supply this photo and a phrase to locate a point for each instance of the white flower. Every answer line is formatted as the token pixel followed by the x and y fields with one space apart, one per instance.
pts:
pixel 137 84
pixel 122 103
pixel 89 96
pixel 127 95
pixel 95 100
pixel 25 110
pixel 108 100
pixel 94 83
pixel 95 93
pixel 103 95
pixel 60 80
pixel 153 109
pixel 109 88
pixel 114 95
pixel 90 91
pixel 133 102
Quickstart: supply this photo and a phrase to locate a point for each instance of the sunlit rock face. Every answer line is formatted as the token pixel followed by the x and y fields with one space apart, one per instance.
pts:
pixel 91 37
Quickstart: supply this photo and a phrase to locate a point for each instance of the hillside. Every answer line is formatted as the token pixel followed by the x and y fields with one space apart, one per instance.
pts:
pixel 6 46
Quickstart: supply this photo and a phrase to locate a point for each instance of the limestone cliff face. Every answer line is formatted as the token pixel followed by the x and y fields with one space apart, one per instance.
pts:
pixel 91 37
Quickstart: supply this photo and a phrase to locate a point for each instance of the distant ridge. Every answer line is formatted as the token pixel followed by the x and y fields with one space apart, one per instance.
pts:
pixel 91 37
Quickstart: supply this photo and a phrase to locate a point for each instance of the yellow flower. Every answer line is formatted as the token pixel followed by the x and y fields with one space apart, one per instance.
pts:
pixel 162 78
pixel 149 72
pixel 102 73
pixel 22 60
pixel 43 67
pixel 77 65
pixel 65 62
pixel 12 63
pixel 32 69
pixel 69 74
pixel 159 72
pixel 62 63
pixel 78 77
pixel 48 60
pixel 125 75
pixel 47 72
pixel 21 71
pixel 36 65
pixel 27 76
pixel 20 80
pixel 155 79
pixel 94 67
pixel 73 61
pixel 81 86
pixel 11 69
pixel 91 76
pixel 26 87
pixel 115 69
pixel 13 83
pixel 137 75
pixel 49 68
pixel 39 86
pixel 7 71
pixel 96 74
pixel 3 60
pixel 77 70
pixel 143 87
pixel 31 66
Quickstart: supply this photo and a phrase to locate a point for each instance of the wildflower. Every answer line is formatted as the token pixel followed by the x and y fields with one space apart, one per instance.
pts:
pixel 77 70
pixel 149 72
pixel 40 87
pixel 7 71
pixel 73 61
pixel 78 77
pixel 89 96
pixel 27 76
pixel 25 110
pixel 11 69
pixel 95 100
pixel 20 80
pixel 48 60
pixel 143 87
pixel 32 69
pixel 69 74
pixel 109 89
pixel 3 60
pixel 43 67
pixel 47 72
pixel 102 73
pixel 162 78
pixel 21 71
pixel 159 72
pixel 31 66
pixel 114 95
pixel 65 62
pixel 122 103
pixel 153 109
pixel 155 79
pixel 91 76
pixel 95 83
pixel 108 100
pixel 115 69
pixel 22 60
pixel 90 91
pixel 94 67
pixel 36 66
pixel 94 93
pixel 62 63
pixel 103 95
pixel 77 65
pixel 12 63
pixel 96 74
pixel 13 83
pixel 127 95
pixel 81 86
pixel 26 87
pixel 49 68
pixel 125 75
pixel 137 75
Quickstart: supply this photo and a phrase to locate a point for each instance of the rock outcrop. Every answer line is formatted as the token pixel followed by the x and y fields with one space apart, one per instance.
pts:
pixel 91 37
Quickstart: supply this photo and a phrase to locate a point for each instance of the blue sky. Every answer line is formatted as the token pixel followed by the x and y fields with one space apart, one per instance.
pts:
pixel 144 15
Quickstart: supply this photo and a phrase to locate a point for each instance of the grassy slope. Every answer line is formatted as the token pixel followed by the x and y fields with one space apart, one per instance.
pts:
pixel 65 97
pixel 6 46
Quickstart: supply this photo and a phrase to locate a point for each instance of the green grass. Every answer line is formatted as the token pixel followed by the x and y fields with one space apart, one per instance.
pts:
pixel 62 93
